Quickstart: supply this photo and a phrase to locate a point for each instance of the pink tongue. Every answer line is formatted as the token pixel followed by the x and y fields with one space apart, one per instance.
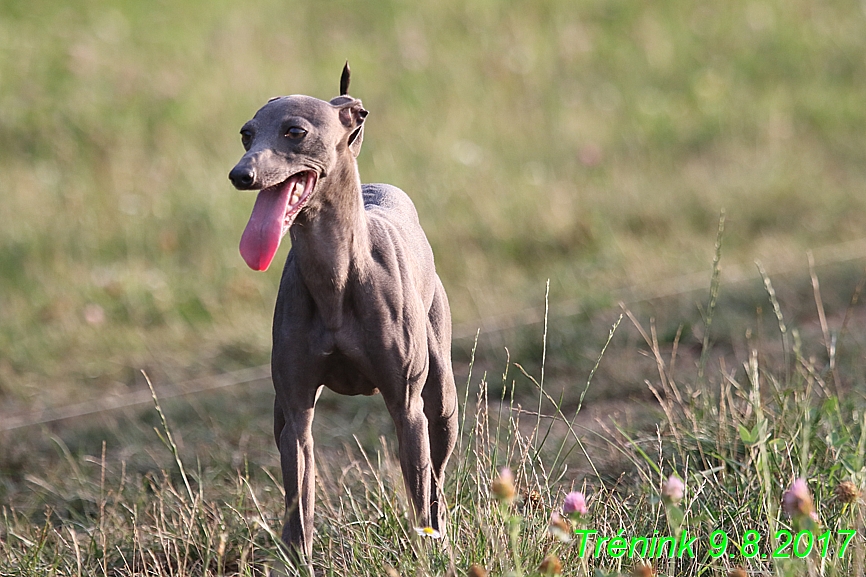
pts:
pixel 263 233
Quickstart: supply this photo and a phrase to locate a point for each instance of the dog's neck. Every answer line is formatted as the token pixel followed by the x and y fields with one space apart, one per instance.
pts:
pixel 330 239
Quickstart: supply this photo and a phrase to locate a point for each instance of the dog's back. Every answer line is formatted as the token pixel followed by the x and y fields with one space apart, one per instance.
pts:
pixel 395 204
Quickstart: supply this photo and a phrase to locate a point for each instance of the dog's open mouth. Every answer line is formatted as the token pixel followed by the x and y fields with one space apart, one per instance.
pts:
pixel 275 209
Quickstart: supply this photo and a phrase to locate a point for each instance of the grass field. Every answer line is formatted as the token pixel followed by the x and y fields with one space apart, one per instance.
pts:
pixel 137 493
pixel 591 143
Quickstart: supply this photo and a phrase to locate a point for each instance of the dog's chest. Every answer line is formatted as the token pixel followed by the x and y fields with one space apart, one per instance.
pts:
pixel 346 377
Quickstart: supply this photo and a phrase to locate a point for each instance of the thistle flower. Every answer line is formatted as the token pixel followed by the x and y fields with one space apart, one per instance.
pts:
pixel 428 532
pixel 797 501
pixel 532 499
pixel 550 565
pixel 503 486
pixel 673 490
pixel 560 528
pixel 574 504
pixel 847 492
pixel 477 571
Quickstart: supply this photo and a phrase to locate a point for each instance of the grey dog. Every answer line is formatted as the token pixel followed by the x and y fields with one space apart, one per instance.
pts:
pixel 360 308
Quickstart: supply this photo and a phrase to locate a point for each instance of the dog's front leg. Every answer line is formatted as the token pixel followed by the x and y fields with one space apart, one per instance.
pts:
pixel 299 473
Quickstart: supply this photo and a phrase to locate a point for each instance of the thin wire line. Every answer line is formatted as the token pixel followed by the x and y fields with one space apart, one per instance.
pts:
pixel 131 399
pixel 680 285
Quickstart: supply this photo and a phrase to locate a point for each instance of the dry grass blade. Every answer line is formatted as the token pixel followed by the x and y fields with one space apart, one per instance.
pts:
pixel 715 283
pixel 168 440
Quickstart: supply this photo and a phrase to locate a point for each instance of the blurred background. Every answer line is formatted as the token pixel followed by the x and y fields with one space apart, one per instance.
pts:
pixel 592 143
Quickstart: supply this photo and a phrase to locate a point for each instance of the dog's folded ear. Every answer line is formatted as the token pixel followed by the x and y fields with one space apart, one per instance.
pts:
pixel 352 115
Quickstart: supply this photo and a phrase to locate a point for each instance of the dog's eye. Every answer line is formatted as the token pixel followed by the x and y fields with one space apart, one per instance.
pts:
pixel 246 138
pixel 296 132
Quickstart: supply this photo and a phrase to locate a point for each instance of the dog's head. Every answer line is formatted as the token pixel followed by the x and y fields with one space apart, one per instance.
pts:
pixel 292 143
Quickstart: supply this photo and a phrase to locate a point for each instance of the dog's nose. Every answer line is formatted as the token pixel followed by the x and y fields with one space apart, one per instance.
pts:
pixel 242 177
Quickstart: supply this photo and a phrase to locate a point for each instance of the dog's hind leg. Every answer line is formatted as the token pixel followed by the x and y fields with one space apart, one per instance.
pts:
pixel 440 402
pixel 279 422
pixel 411 425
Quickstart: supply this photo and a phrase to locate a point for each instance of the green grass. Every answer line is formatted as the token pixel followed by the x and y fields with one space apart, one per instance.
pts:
pixel 590 143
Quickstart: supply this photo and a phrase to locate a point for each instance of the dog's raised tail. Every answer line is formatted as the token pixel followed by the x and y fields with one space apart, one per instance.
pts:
pixel 344 79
